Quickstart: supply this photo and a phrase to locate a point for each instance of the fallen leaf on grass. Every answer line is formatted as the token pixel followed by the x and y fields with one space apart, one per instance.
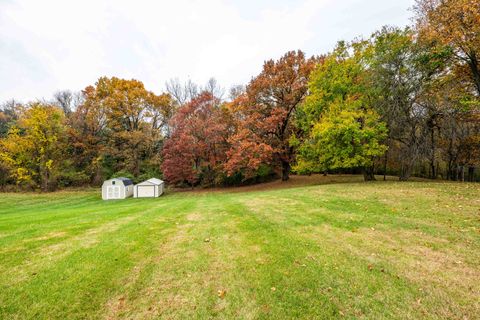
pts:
pixel 221 293
pixel 370 267
pixel 121 302
pixel 298 263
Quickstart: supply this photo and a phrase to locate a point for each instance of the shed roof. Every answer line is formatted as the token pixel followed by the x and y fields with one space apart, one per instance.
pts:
pixel 155 181
pixel 125 181
pixel 152 181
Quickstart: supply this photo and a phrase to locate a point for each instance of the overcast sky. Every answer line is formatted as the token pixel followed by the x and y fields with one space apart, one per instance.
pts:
pixel 47 46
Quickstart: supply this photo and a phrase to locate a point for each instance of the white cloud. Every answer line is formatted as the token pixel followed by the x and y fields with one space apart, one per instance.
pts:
pixel 50 45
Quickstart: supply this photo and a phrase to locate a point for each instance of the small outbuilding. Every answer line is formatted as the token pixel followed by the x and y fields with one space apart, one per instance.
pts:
pixel 117 188
pixel 151 188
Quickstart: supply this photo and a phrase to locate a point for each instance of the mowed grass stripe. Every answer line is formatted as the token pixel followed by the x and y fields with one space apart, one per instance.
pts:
pixel 94 270
pixel 339 250
pixel 184 278
pixel 81 226
pixel 57 226
pixel 311 278
pixel 338 245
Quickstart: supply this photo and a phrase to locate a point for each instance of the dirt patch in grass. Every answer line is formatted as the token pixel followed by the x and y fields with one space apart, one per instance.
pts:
pixel 194 217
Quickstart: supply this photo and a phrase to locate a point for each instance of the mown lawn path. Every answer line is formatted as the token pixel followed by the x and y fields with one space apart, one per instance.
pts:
pixel 350 250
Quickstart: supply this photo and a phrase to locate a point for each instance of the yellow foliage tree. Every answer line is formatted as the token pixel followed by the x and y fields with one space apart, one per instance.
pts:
pixel 34 149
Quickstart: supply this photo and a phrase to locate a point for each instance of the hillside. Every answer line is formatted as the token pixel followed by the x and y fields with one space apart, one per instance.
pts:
pixel 339 249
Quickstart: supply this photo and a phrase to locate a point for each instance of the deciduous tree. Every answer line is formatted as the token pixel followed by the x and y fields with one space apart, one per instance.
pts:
pixel 456 25
pixel 135 120
pixel 34 148
pixel 266 112
pixel 196 150
pixel 344 130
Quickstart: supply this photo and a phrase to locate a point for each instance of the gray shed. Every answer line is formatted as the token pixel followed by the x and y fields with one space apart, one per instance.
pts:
pixel 117 188
pixel 150 188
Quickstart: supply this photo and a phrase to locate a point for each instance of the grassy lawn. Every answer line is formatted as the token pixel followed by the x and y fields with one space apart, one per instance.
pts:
pixel 380 250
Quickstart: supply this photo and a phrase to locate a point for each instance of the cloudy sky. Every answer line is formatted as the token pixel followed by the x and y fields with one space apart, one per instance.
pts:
pixel 47 46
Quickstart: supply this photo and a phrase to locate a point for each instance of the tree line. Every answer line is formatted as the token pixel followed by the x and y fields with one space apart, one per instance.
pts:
pixel 402 102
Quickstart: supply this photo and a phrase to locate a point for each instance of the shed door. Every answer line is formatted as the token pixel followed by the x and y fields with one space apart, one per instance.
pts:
pixel 113 192
pixel 145 191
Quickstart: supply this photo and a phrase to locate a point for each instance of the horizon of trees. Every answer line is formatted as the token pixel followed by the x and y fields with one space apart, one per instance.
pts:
pixel 402 102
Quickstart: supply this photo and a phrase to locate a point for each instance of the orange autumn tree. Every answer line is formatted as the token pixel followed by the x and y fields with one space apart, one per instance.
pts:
pixel 125 123
pixel 265 114
pixel 195 151
pixel 454 24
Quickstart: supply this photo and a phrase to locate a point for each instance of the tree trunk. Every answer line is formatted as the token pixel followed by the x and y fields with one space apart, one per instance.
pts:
pixel 98 177
pixel 433 168
pixel 385 162
pixel 368 173
pixel 450 171
pixel 471 174
pixel 461 173
pixel 285 170
pixel 44 180
pixel 406 172
pixel 136 165
pixel 473 64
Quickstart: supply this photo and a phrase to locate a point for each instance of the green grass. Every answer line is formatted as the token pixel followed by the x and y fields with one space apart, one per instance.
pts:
pixel 381 250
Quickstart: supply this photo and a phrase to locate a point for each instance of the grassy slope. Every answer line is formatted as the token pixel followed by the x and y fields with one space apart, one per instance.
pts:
pixel 354 250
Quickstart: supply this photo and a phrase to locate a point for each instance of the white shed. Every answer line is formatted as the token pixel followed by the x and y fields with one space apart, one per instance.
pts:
pixel 150 188
pixel 117 188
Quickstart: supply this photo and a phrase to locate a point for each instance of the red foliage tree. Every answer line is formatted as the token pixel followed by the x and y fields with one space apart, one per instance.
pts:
pixel 265 114
pixel 196 149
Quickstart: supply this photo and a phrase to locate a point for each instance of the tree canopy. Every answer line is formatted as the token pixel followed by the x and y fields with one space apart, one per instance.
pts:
pixel 404 102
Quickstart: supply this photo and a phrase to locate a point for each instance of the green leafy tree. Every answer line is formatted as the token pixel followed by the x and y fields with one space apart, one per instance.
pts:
pixel 404 73
pixel 344 131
